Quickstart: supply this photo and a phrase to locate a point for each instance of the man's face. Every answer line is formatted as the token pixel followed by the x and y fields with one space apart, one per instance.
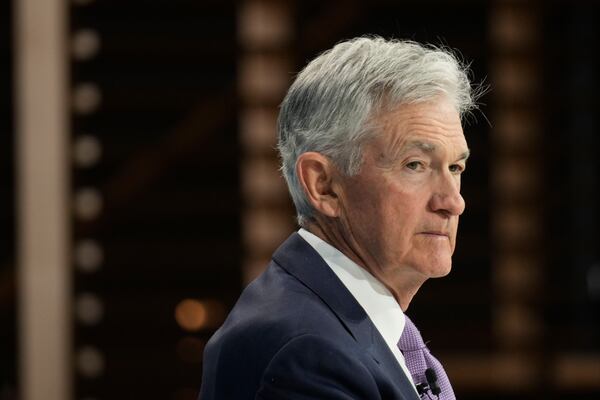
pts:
pixel 402 208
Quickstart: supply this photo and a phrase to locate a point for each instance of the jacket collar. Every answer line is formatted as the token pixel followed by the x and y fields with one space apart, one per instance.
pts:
pixel 299 259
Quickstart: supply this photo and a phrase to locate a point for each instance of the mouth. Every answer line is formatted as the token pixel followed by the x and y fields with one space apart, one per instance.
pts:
pixel 435 234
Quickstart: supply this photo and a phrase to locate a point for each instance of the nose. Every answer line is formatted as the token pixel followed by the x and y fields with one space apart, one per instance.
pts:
pixel 446 198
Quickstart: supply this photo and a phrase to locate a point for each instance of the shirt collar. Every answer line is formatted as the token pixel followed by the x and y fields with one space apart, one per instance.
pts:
pixel 377 301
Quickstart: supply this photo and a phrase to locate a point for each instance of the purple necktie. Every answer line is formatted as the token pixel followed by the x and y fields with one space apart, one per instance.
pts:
pixel 419 359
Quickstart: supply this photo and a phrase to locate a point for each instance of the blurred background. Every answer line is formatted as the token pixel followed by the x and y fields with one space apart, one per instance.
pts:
pixel 140 191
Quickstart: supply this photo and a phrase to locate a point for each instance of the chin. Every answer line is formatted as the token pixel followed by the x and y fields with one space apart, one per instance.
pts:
pixel 441 272
pixel 438 268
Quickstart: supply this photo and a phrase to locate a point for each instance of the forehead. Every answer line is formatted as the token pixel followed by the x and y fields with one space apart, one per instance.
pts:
pixel 428 126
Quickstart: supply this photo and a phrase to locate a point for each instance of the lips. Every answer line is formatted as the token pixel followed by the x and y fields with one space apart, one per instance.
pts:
pixel 435 233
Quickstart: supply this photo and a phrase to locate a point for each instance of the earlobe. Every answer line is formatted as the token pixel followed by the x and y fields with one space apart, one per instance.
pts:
pixel 316 175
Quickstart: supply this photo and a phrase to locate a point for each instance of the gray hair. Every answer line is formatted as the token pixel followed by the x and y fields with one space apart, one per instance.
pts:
pixel 328 107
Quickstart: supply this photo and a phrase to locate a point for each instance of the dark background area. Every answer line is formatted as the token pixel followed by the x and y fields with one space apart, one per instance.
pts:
pixel 170 178
pixel 169 182
pixel 8 310
pixel 573 175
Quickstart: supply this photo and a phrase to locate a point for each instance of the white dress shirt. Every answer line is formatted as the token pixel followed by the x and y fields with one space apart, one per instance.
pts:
pixel 377 301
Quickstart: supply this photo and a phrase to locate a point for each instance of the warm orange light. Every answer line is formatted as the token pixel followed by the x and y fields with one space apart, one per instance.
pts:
pixel 193 315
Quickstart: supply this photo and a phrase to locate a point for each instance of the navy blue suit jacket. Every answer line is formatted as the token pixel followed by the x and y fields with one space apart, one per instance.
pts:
pixel 297 333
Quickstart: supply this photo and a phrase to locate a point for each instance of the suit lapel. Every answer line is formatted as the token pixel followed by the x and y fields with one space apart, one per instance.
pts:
pixel 299 259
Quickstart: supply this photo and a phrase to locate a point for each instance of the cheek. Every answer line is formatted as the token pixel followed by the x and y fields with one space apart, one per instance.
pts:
pixel 367 197
pixel 399 222
pixel 404 208
pixel 363 213
pixel 385 211
pixel 455 228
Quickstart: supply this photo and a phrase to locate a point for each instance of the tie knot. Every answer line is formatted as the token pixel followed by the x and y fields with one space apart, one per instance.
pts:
pixel 411 337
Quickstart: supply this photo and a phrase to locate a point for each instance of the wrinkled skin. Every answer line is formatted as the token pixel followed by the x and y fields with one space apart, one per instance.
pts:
pixel 398 217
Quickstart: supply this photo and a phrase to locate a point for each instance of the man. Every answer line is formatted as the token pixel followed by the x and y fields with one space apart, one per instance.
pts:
pixel 372 150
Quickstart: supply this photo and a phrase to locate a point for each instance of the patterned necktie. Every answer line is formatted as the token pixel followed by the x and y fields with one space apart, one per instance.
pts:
pixel 419 359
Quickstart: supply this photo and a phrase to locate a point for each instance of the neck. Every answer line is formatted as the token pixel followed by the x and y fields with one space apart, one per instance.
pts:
pixel 402 281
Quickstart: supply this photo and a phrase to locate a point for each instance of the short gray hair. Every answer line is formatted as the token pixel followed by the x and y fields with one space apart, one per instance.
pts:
pixel 328 107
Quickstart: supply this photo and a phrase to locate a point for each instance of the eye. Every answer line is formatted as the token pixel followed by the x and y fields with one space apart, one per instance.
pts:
pixel 457 168
pixel 415 165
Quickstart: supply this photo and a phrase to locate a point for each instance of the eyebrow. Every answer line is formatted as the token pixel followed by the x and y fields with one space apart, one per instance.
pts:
pixel 465 155
pixel 430 148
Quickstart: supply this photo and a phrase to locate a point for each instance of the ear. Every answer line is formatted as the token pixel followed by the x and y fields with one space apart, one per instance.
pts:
pixel 316 174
